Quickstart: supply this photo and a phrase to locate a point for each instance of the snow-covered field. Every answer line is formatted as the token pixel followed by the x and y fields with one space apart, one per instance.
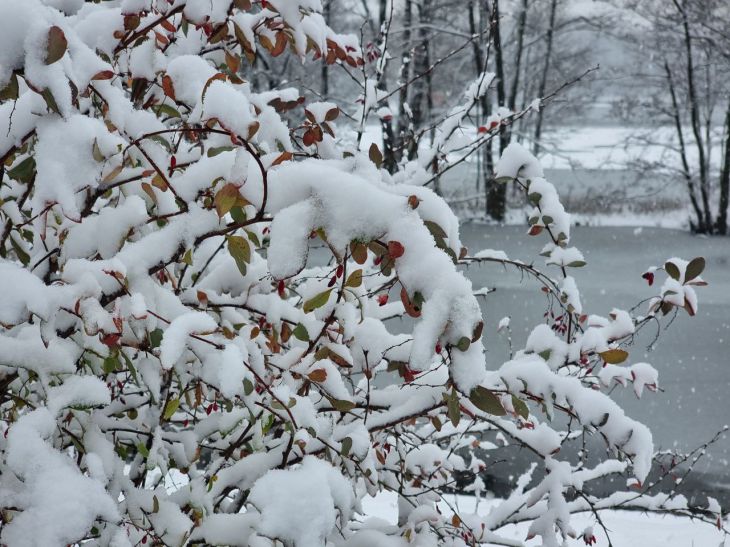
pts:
pixel 626 528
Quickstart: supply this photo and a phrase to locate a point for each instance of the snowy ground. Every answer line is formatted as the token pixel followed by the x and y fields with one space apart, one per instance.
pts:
pixel 626 528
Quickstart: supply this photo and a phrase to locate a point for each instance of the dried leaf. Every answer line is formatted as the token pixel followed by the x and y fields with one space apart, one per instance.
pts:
pixel 57 45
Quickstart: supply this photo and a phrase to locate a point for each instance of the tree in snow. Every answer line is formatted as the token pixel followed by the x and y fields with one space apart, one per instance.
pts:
pixel 690 70
pixel 197 288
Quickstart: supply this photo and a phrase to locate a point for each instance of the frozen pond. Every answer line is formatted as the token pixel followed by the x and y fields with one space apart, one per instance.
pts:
pixel 692 355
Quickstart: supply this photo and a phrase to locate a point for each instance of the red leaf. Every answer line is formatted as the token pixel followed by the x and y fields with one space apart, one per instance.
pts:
pixel 167 87
pixel 382 299
pixel 111 340
pixel 103 75
pixel 395 249
pixel 649 276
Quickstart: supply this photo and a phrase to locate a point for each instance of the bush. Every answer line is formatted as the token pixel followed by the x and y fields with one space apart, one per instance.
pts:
pixel 176 368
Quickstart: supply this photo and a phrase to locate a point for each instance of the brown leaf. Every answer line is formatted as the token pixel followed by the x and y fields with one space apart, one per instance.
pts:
pixel 57 45
pixel 281 42
pixel 167 87
pixel 359 252
pixel 376 156
pixel 103 75
pixel 227 198
pixel 284 156
pixel 233 62
pixel 318 375
pixel 614 356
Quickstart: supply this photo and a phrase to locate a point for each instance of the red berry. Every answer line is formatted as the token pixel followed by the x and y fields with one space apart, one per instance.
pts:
pixel 382 299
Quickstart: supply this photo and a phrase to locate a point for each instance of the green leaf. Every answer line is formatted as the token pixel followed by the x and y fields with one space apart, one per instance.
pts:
pixel 110 364
pixel 317 301
pixel 453 411
pixel 342 405
pixel 159 139
pixel 520 407
pixel 188 257
pixel 247 386
pixel 238 215
pixel 155 504
pixel 614 356
pixel 354 279
pixel 156 338
pixel 11 91
pixel 57 45
pixel 50 101
pixel 695 267
pixel 130 367
pixel 577 264
pixel 545 354
pixel 300 333
pixel 143 450
pixel 252 237
pixel 22 255
pixel 503 180
pixel 212 152
pixel 463 343
pixel 24 171
pixel 436 230
pixel 166 110
pixel 240 251
pixel 486 401
pixel 672 270
pixel 346 447
pixel 170 408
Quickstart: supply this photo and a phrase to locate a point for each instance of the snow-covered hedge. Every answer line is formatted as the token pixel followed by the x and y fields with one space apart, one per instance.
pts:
pixel 177 369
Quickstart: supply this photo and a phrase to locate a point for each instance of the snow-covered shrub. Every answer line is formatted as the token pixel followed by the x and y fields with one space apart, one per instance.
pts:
pixel 175 367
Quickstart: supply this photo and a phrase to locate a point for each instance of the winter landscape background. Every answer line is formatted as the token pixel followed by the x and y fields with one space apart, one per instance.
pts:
pixel 355 273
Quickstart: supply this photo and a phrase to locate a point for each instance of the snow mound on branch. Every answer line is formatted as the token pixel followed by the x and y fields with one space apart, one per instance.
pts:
pixel 290 510
pixel 313 195
pixel 516 160
pixel 60 504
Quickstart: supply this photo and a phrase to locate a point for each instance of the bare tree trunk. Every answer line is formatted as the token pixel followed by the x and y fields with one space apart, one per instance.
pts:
pixel 543 78
pixel 404 119
pixel 327 8
pixel 420 66
pixel 485 161
pixel 521 24
pixel 429 114
pixel 389 160
pixel 497 197
pixel 725 178
pixel 695 118
pixel 676 115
